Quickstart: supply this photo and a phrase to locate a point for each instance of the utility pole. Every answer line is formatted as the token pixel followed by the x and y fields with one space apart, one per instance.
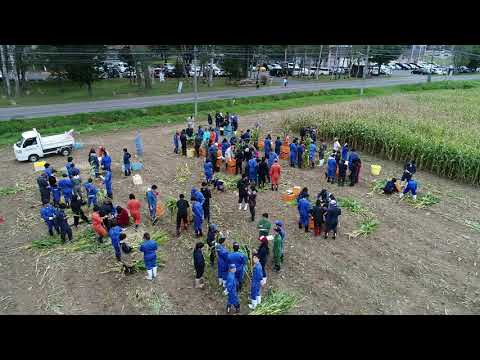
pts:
pixel 365 69
pixel 429 76
pixel 6 75
pixel 195 77
pixel 319 62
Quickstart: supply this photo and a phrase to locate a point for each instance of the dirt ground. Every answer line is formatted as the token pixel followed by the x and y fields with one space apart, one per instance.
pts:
pixel 418 261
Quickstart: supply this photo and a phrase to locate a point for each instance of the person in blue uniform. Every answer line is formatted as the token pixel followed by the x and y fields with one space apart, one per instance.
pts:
pixel 253 170
pixel 48 170
pixel 91 191
pixel 149 248
pixel 114 232
pixel 331 169
pixel 231 287
pixel 304 208
pixel 152 203
pixel 208 170
pixel 44 188
pixel 412 188
pixel 107 181
pixel 127 167
pixel 48 213
pixel 197 196
pixel 222 262
pixel 345 152
pixel 272 158
pixel 239 259
pixel 409 169
pixel 106 162
pixel 256 283
pixel 62 223
pixel 390 187
pixel 342 172
pixel 66 186
pixel 56 194
pixel 176 142
pixel 267 146
pixel 331 218
pixel 278 145
pixel 69 166
pixel 293 153
pixel 312 151
pixel 197 210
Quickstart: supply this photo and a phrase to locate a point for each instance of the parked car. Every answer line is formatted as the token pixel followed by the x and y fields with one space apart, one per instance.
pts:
pixel 403 66
pixel 32 146
pixel 421 71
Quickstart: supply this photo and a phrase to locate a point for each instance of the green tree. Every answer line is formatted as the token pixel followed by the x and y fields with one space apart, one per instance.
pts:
pixel 382 54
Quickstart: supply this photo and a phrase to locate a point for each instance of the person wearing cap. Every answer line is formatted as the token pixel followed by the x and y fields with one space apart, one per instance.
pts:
pixel 66 186
pixel 283 234
pixel 264 225
pixel 199 264
pixel 304 208
pixel 263 252
pixel 277 250
pixel 48 170
pixel 331 169
pixel 411 187
pixel 239 259
pixel 152 194
pixel 256 283
pixel 331 218
pixel 231 288
pixel 222 255
pixel 48 213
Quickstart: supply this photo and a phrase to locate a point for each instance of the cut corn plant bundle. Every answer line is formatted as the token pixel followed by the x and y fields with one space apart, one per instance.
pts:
pixel 82 241
pixel 46 242
pixel 423 200
pixel 171 205
pixel 352 205
pixel 438 129
pixel 275 303
pixel 230 181
pixel 139 265
pixel 5 191
pixel 367 227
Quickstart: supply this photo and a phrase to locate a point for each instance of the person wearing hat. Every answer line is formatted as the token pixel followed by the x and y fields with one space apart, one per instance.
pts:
pixel 256 283
pixel 48 213
pixel 222 262
pixel 281 226
pixel 239 260
pixel 199 264
pixel 304 208
pixel 231 288
pixel 263 252
pixel 277 250
pixel 331 218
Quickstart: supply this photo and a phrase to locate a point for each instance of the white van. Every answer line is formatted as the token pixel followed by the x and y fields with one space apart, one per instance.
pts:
pixel 32 146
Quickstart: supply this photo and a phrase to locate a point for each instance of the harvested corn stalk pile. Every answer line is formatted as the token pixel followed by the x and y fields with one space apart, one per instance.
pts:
pixel 183 173
pixel 275 303
pixel 5 191
pixel 367 226
pixel 229 181
pixel 423 200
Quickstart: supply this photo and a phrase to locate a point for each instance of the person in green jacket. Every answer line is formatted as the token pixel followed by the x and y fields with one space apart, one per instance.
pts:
pixel 264 226
pixel 277 250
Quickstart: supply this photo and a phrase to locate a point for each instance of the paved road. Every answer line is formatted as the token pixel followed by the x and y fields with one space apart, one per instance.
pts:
pixel 142 102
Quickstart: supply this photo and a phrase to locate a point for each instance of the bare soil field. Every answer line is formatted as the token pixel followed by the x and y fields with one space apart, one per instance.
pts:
pixel 418 261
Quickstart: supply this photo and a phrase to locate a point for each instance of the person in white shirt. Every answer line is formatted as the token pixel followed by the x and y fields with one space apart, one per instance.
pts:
pixel 336 145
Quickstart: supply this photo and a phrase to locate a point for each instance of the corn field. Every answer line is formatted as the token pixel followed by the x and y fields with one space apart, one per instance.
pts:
pixel 440 130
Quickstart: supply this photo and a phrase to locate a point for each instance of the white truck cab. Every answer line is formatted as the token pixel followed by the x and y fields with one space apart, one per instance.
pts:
pixel 32 146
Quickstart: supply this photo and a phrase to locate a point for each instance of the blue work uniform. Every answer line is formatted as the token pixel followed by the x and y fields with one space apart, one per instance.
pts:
pixel 197 210
pixel 240 260
pixel 66 186
pixel 56 194
pixel 69 167
pixel 271 158
pixel 149 249
pixel 344 153
pixel 91 193
pixel 304 207
pixel 257 276
pixel 114 234
pixel 278 145
pixel 222 254
pixel 106 162
pixel 232 290
pixel 126 161
pixel 411 187
pixel 252 170
pixel 293 154
pixel 108 183
pixel 48 214
pixel 312 151
pixel 331 167
pixel 198 196
pixel 49 172
pixel 267 146
pixel 152 203
pixel 208 169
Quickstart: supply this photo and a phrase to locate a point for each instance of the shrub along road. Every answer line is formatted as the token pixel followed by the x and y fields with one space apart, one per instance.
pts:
pixel 142 102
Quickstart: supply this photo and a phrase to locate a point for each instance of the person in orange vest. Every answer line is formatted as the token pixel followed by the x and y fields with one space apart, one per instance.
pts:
pixel 275 171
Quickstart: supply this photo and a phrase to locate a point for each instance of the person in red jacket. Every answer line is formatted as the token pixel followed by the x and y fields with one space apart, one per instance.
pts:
pixel 122 217
pixel 134 207
pixel 275 171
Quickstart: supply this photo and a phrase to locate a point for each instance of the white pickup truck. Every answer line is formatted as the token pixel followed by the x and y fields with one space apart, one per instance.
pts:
pixel 32 146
